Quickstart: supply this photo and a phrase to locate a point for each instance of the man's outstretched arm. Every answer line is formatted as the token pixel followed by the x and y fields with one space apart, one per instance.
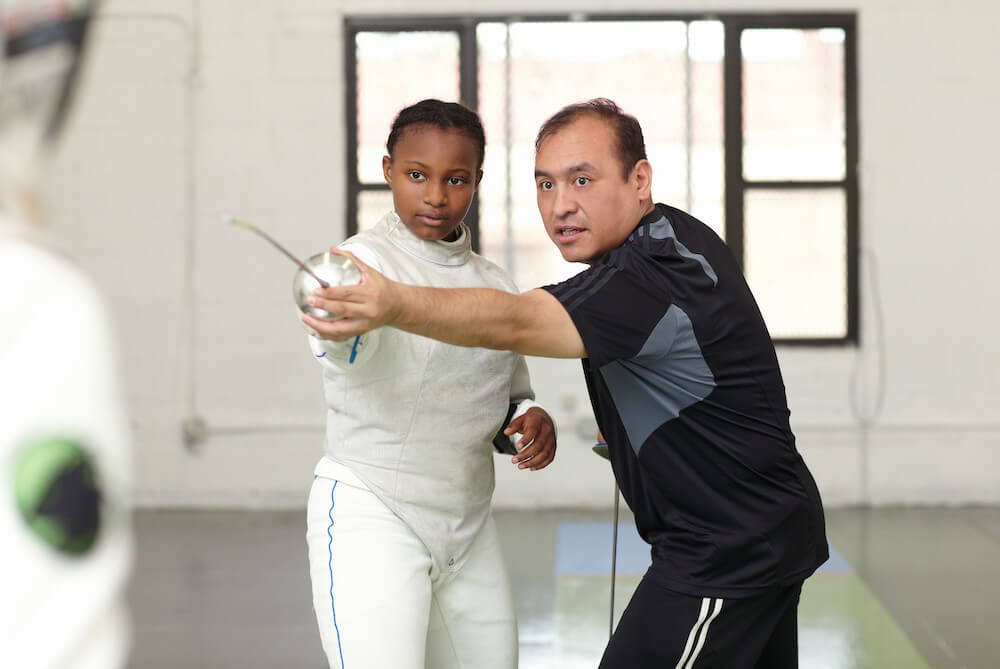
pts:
pixel 532 323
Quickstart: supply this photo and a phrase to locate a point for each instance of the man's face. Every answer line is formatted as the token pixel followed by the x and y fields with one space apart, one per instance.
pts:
pixel 587 205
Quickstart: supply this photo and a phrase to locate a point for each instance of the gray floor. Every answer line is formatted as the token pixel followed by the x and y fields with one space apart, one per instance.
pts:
pixel 912 588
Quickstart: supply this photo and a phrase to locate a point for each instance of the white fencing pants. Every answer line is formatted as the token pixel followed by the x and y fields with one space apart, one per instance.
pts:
pixel 382 603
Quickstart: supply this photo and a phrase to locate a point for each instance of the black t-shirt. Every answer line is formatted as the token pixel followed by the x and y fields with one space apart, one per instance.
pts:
pixel 686 389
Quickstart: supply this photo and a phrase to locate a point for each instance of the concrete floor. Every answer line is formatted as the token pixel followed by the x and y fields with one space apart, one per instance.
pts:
pixel 905 588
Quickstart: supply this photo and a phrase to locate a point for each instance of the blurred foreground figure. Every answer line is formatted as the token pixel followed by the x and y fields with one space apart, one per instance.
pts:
pixel 64 455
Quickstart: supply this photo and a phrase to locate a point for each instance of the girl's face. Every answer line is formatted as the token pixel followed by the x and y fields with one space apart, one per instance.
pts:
pixel 433 174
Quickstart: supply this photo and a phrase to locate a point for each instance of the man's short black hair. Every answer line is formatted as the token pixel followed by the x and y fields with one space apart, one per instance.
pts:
pixel 628 135
pixel 443 115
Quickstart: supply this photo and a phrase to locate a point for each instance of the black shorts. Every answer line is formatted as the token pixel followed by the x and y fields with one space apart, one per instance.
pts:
pixel 662 628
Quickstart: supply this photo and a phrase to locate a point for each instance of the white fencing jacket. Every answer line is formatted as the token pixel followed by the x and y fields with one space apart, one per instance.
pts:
pixel 412 418
pixel 59 379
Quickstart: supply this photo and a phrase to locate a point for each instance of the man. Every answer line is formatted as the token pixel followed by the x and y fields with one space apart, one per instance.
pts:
pixel 685 386
pixel 64 448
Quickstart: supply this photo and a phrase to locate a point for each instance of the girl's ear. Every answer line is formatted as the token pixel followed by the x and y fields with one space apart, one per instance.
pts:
pixel 479 176
pixel 387 169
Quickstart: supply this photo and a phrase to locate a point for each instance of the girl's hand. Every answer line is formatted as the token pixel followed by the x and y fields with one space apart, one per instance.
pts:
pixel 537 446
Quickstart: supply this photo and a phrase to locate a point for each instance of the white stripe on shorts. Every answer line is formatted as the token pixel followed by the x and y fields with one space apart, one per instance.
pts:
pixel 687 662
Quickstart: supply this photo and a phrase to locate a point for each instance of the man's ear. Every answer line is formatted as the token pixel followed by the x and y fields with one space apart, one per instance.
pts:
pixel 387 169
pixel 479 176
pixel 642 176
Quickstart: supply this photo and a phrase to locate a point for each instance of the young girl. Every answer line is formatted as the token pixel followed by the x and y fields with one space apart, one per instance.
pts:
pixel 404 558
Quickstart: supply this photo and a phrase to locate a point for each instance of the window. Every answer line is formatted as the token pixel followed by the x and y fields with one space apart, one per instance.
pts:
pixel 749 122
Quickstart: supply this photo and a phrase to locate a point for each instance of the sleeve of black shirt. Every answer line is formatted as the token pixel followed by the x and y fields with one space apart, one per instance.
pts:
pixel 613 311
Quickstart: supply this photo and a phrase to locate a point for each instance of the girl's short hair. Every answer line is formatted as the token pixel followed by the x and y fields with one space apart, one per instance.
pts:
pixel 444 115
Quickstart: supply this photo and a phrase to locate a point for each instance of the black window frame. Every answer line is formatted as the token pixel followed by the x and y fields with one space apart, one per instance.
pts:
pixel 735 185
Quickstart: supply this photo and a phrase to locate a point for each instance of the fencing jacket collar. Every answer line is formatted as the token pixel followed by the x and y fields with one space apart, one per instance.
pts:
pixel 435 251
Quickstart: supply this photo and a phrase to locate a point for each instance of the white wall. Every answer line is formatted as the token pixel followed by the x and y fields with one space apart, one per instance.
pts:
pixel 196 108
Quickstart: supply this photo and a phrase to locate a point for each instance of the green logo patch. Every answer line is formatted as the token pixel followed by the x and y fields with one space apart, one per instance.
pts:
pixel 57 494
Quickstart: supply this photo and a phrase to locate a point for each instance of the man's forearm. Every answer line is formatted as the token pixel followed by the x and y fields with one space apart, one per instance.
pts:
pixel 532 323
pixel 464 316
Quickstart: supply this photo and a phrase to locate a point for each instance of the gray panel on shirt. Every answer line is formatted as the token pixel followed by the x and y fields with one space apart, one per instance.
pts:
pixel 661 229
pixel 668 375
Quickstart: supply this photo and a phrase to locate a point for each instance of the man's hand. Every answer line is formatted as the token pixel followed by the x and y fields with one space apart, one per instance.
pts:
pixel 537 446
pixel 362 307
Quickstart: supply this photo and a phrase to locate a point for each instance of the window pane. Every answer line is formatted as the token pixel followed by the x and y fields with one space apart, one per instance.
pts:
pixel 396 69
pixel 796 263
pixel 793 105
pixel 372 206
pixel 641 65
pixel 706 41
